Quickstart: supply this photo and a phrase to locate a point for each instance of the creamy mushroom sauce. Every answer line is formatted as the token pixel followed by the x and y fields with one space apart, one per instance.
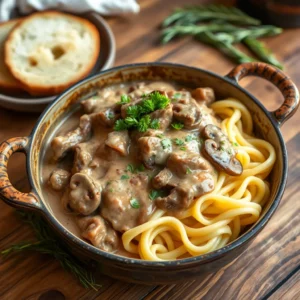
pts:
pixel 100 182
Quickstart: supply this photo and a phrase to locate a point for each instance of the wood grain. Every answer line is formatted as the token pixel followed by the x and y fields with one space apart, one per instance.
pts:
pixel 268 269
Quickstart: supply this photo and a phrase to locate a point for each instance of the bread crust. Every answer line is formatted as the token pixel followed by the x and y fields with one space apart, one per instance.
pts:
pixel 49 90
pixel 10 84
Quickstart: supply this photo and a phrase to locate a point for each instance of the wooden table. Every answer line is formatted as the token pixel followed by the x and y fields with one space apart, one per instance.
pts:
pixel 269 268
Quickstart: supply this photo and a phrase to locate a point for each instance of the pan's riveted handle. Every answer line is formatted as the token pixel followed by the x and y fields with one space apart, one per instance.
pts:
pixel 7 192
pixel 279 79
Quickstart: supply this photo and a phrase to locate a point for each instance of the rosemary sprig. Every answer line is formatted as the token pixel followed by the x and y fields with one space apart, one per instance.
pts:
pixel 219 33
pixel 262 52
pixel 220 42
pixel 47 244
pixel 200 13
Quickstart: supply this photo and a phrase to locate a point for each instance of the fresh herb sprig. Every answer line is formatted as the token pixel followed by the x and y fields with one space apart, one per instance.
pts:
pixel 222 28
pixel 138 114
pixel 47 244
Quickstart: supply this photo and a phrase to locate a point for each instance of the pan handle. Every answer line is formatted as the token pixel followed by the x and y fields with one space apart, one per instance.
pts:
pixel 7 192
pixel 279 79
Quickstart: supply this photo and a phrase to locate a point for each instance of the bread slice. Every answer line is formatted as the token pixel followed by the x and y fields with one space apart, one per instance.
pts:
pixel 49 51
pixel 7 81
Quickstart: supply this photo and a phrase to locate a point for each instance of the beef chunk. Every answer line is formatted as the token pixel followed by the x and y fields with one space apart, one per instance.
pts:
pixel 154 150
pixel 117 197
pixel 206 95
pixel 62 144
pixel 164 117
pixel 99 232
pixel 118 141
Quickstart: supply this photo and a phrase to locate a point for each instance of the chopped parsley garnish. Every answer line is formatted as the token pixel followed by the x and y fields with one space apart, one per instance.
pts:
pixel 176 96
pixel 144 123
pixel 178 142
pixel 134 203
pixel 132 169
pixel 124 99
pixel 166 143
pixel 154 124
pixel 222 148
pixel 188 171
pixel 177 126
pixel 140 168
pixel 183 148
pixel 160 135
pixel 189 138
pixel 124 177
pixel 155 194
pixel 137 115
pixel 235 144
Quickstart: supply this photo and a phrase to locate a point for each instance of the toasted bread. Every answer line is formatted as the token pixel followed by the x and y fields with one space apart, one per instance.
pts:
pixel 7 81
pixel 49 51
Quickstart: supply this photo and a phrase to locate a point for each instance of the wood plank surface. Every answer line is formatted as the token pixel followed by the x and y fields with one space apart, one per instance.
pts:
pixel 268 269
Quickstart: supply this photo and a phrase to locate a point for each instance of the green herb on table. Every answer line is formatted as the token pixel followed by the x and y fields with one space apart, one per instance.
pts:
pixel 177 125
pixel 47 244
pixel 134 203
pixel 222 27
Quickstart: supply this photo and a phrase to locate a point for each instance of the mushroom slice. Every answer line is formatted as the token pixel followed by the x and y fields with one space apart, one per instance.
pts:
pixel 84 195
pixel 218 150
pixel 206 95
pixel 59 179
pixel 99 232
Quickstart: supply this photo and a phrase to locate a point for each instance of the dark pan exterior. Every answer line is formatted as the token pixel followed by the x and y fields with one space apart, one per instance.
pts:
pixel 134 270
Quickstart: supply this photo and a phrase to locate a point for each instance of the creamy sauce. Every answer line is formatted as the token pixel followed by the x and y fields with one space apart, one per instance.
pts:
pixel 97 181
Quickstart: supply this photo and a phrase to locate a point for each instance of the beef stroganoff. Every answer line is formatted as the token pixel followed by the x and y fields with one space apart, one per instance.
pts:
pixel 154 171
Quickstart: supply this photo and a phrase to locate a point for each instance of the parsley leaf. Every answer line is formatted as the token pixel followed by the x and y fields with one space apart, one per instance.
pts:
pixel 235 144
pixel 189 138
pixel 154 124
pixel 176 96
pixel 155 194
pixel 140 168
pixel 178 142
pixel 177 126
pixel 144 123
pixel 134 203
pixel 188 171
pixel 124 177
pixel 166 143
pixel 133 111
pixel 120 125
pixel 111 115
pixel 130 168
pixel 147 106
pixel 124 99
pixel 131 121
pixel 160 135
pixel 160 101
pixel 183 148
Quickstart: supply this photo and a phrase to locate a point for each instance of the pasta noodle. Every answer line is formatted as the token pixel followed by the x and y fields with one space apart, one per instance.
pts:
pixel 219 217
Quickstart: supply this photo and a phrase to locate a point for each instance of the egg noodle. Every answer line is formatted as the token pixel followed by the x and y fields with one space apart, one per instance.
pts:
pixel 217 218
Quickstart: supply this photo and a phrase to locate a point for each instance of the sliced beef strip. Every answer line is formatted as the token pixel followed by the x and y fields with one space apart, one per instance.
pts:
pixel 62 144
pixel 59 179
pixel 187 176
pixel 99 232
pixel 119 141
pixel 116 206
pixel 84 194
pixel 152 151
pixel 206 95
pixel 107 116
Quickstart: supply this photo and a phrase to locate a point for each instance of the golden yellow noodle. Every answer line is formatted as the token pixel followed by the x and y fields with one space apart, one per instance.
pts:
pixel 217 218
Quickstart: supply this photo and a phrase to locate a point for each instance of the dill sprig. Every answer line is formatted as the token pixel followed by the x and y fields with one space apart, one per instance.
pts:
pixel 47 244
pixel 221 27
